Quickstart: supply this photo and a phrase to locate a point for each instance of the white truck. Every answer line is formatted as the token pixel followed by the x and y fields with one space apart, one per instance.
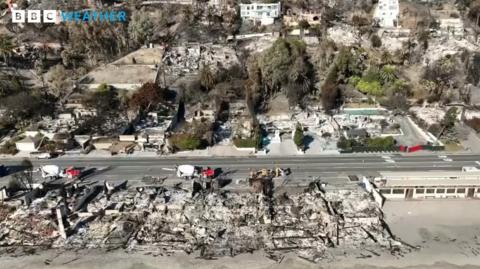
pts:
pixel 188 171
pixel 52 171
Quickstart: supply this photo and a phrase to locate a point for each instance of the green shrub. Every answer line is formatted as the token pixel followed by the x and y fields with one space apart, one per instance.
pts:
pixel 375 41
pixel 372 74
pixel 8 148
pixel 400 86
pixel 372 88
pixel 347 144
pixel 353 80
pixel 299 137
pixel 370 144
pixel 245 142
pixel 381 142
pixel 252 142
pixel 186 142
pixel 388 74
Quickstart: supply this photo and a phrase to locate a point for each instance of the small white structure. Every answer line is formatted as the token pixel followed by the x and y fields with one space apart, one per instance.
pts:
pixel 28 144
pixel 265 13
pixel 452 26
pixel 294 17
pixel 387 13
pixel 276 138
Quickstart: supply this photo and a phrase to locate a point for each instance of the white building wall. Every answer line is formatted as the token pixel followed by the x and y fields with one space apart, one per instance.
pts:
pixel 387 13
pixel 25 146
pixel 429 192
pixel 452 26
pixel 265 13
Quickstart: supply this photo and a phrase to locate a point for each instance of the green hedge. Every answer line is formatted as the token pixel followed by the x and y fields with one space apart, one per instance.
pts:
pixel 246 142
pixel 433 148
pixel 374 149
pixel 186 142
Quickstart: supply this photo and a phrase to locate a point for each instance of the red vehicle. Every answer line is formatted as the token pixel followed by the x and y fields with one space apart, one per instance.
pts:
pixel 72 172
pixel 208 173
pixel 415 148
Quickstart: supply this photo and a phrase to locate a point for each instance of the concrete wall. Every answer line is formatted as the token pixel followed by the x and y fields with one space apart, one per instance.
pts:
pixel 128 87
pixel 25 146
pixel 387 13
pixel 102 145
pixel 129 138
pixel 439 192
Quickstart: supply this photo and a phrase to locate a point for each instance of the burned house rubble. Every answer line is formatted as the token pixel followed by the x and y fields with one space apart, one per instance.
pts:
pixel 206 223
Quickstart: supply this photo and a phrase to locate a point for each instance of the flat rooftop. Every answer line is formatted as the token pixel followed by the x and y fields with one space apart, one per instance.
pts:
pixel 120 75
pixel 430 178
pixel 144 56
pixel 127 72
pixel 429 175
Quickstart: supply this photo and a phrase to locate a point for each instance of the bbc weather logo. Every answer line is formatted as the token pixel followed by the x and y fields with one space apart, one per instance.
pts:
pixel 57 16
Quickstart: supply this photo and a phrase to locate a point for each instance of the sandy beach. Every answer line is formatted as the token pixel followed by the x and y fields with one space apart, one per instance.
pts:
pixel 447 233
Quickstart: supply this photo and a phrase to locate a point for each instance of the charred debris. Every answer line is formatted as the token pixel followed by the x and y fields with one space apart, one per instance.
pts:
pixel 201 219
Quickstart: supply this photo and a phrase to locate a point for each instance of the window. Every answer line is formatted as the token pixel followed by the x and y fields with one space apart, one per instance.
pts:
pixel 420 191
pixel 461 190
pixel 398 191
pixel 450 190
pixel 385 191
pixel 430 190
pixel 440 190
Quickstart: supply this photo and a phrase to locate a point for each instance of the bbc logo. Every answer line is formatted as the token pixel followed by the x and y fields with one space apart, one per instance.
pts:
pixel 34 16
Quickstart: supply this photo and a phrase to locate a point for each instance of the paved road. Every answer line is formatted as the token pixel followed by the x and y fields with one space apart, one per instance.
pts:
pixel 334 169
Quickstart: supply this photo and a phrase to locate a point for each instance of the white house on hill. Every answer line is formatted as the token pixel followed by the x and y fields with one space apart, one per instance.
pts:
pixel 265 13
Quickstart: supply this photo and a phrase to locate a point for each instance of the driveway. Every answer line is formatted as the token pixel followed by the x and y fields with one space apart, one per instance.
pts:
pixel 410 136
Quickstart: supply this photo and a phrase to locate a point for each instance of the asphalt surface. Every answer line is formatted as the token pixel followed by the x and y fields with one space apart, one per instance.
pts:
pixel 333 169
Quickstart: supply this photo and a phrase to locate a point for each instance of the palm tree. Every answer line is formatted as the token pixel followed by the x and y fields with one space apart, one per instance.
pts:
pixel 388 74
pixel 207 79
pixel 303 24
pixel 386 58
pixel 6 47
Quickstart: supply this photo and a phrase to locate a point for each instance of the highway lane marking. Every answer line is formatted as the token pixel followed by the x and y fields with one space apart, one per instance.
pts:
pixel 388 159
pixel 445 158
